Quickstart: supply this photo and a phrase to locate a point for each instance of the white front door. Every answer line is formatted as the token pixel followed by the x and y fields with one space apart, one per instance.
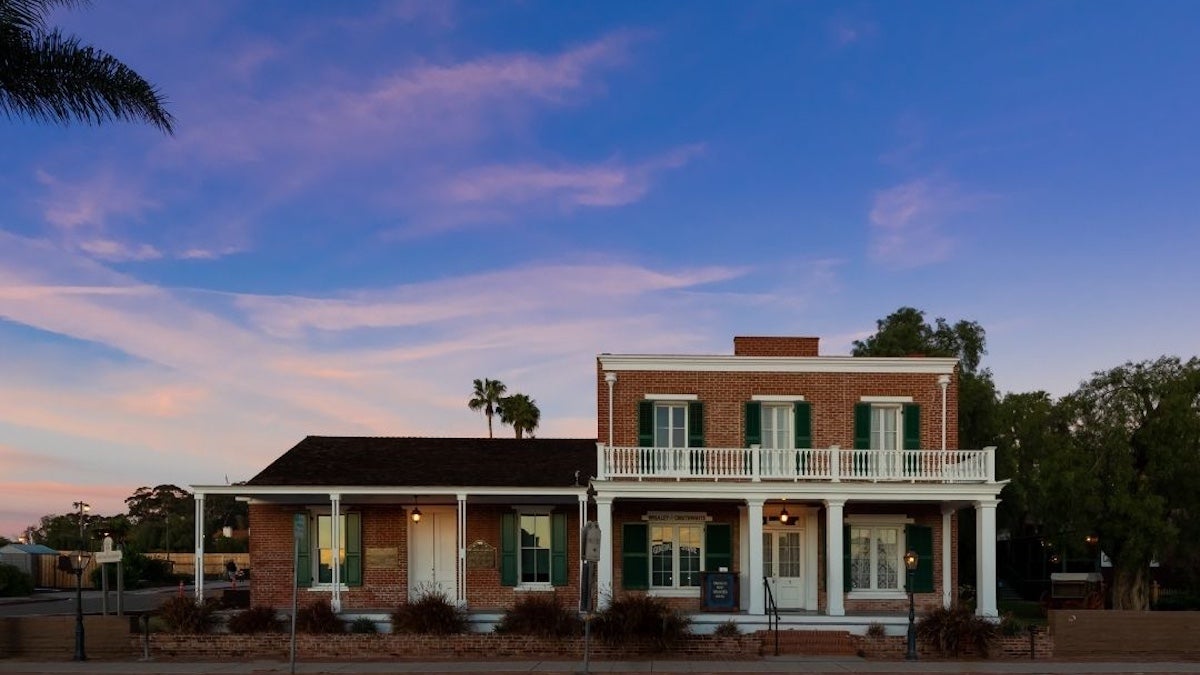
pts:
pixel 432 562
pixel 783 566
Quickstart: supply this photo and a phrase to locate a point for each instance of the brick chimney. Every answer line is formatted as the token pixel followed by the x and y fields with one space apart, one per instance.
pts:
pixel 775 346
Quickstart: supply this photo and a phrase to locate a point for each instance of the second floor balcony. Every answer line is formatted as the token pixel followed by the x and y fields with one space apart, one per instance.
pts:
pixel 831 464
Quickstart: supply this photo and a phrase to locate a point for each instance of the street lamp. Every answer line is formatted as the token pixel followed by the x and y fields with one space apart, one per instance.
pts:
pixel 910 562
pixel 79 562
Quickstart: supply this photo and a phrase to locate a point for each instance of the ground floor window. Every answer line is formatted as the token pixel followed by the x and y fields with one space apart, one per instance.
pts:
pixel 876 557
pixel 535 548
pixel 675 555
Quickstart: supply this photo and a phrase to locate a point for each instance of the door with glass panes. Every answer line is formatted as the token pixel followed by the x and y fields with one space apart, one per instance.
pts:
pixel 783 566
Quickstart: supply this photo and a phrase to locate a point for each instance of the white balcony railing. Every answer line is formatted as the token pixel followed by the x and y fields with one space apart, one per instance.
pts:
pixel 809 464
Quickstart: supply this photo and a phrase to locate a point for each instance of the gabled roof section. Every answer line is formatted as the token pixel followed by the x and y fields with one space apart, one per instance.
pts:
pixel 434 462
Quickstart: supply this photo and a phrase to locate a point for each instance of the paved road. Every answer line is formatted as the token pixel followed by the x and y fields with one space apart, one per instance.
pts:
pixel 63 602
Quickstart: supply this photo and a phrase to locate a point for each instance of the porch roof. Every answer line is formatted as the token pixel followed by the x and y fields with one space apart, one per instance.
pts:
pixel 435 462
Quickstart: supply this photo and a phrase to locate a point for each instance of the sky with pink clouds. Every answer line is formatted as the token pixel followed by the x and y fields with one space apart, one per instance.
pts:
pixel 367 205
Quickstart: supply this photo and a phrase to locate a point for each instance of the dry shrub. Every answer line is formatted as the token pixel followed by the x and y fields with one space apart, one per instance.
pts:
pixel 540 614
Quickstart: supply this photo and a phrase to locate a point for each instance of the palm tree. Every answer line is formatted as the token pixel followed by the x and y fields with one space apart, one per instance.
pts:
pixel 487 396
pixel 521 412
pixel 48 76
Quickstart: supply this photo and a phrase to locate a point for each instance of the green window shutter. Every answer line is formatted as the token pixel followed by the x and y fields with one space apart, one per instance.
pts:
pixel 919 538
pixel 352 574
pixel 304 557
pixel 912 426
pixel 635 556
pixel 695 424
pixel 802 411
pixel 558 549
pixel 862 426
pixel 753 423
pixel 508 549
pixel 645 412
pixel 846 586
pixel 718 547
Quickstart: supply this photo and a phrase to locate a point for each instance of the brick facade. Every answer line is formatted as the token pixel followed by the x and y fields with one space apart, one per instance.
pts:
pixel 385 584
pixel 724 395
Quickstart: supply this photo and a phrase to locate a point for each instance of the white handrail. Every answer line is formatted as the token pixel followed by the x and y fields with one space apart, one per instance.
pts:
pixel 796 464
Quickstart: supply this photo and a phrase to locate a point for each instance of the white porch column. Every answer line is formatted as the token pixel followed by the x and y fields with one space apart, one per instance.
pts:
pixel 947 549
pixel 200 531
pixel 461 572
pixel 583 498
pixel 754 562
pixel 834 592
pixel 745 577
pixel 604 573
pixel 335 534
pixel 985 557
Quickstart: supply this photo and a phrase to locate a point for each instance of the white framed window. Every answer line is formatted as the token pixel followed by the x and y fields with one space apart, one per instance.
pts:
pixel 886 427
pixel 676 555
pixel 777 426
pixel 876 557
pixel 670 425
pixel 533 559
pixel 323 547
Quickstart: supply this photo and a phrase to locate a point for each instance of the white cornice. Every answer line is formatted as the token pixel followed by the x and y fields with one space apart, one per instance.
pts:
pixel 397 490
pixel 778 364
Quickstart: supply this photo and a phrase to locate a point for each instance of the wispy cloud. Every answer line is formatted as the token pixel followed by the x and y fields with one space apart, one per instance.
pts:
pixel 415 106
pixel 609 184
pixel 845 31
pixel 908 222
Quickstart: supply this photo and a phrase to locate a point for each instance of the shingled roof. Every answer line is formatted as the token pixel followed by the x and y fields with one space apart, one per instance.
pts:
pixel 482 462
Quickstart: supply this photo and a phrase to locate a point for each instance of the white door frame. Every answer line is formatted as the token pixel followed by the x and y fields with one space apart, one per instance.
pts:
pixel 444 521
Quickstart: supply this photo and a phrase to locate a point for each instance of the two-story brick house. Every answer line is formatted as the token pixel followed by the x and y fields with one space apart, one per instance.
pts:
pixel 807 476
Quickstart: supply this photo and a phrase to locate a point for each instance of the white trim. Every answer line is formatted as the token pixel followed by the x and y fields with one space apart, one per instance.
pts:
pixel 671 397
pixel 816 490
pixel 534 588
pixel 876 595
pixel 664 592
pixel 778 364
pixel 349 491
pixel 885 399
pixel 776 398
pixel 887 520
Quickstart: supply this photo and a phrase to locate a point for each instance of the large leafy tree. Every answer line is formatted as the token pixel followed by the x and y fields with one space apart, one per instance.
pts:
pixel 520 412
pixel 163 518
pixel 486 397
pixel 48 76
pixel 905 332
pixel 1135 434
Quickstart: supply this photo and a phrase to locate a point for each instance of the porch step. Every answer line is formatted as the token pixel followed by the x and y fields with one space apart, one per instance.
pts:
pixel 809 642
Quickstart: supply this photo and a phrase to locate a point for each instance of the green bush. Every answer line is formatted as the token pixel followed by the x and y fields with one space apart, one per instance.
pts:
pixel 363 625
pixel 257 619
pixel 139 571
pixel 955 630
pixel 432 612
pixel 540 614
pixel 1011 624
pixel 13 582
pixel 1177 602
pixel 728 629
pixel 181 614
pixel 641 620
pixel 318 617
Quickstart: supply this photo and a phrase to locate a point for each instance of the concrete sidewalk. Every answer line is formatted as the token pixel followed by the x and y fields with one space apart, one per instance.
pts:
pixel 770 665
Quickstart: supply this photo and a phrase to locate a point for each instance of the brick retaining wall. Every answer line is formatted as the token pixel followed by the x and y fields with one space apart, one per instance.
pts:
pixel 53 637
pixel 1006 647
pixel 474 646
pixel 1090 634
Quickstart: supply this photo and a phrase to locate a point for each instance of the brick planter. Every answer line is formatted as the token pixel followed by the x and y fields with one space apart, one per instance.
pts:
pixel 1006 647
pixel 472 646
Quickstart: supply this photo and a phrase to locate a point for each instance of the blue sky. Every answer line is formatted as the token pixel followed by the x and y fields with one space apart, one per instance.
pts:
pixel 367 205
